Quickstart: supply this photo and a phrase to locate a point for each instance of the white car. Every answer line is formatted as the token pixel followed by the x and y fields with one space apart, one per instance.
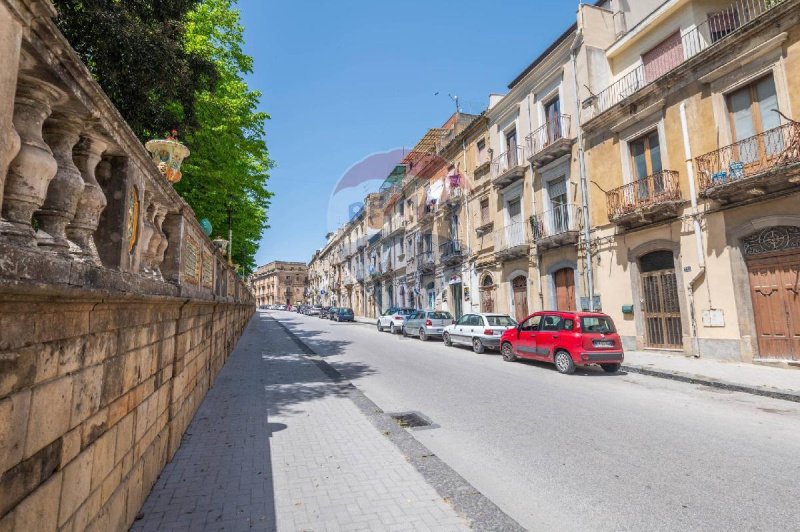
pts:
pixel 481 331
pixel 393 319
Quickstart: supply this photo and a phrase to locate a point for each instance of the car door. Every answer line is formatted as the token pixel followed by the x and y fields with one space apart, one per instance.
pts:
pixel 459 333
pixel 525 346
pixel 413 321
pixel 548 335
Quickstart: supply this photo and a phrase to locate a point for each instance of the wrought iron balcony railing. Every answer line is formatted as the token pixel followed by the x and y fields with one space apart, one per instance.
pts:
pixel 508 160
pixel 450 250
pixel 750 158
pixel 554 129
pixel 425 261
pixel 643 194
pixel 511 237
pixel 561 219
pixel 703 36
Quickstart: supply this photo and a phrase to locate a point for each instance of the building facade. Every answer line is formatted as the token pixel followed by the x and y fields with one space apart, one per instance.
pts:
pixel 280 283
pixel 646 164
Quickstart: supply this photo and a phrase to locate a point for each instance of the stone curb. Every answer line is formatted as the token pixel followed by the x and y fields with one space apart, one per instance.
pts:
pixel 470 503
pixel 784 395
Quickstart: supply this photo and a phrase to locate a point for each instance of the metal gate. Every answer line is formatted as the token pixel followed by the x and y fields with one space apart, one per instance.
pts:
pixel 661 301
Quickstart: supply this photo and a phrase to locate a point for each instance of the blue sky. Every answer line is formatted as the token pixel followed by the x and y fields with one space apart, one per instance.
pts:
pixel 343 80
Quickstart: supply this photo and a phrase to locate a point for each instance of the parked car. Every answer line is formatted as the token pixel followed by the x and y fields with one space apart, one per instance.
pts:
pixel 393 319
pixel 313 311
pixel 426 323
pixel 323 312
pixel 567 339
pixel 482 331
pixel 344 314
pixel 332 312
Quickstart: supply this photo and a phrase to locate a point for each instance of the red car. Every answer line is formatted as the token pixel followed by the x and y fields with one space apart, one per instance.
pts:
pixel 567 339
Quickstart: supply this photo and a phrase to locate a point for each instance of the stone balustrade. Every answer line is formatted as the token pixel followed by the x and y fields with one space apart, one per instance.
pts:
pixel 116 310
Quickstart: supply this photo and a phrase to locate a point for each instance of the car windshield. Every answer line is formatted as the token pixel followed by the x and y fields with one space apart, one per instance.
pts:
pixel 440 316
pixel 597 324
pixel 501 321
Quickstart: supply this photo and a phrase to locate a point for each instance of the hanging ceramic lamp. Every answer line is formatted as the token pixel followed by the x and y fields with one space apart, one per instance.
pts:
pixel 168 154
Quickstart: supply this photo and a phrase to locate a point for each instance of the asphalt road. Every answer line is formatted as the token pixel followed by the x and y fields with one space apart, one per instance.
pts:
pixel 584 452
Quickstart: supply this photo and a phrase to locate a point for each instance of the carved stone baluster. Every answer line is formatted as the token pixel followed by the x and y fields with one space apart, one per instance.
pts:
pixel 81 230
pixel 155 240
pixel 162 244
pixel 34 166
pixel 10 38
pixel 147 233
pixel 62 133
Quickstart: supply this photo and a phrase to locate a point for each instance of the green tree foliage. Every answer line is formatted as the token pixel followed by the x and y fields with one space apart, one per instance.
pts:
pixel 179 64
pixel 229 163
pixel 135 50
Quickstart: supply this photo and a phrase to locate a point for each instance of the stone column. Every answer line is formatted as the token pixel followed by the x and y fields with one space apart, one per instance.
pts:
pixel 162 245
pixel 62 133
pixel 10 38
pixel 34 166
pixel 81 230
pixel 148 212
pixel 155 240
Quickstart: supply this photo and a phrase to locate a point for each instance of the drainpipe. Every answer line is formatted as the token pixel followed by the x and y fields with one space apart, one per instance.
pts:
pixel 698 235
pixel 582 160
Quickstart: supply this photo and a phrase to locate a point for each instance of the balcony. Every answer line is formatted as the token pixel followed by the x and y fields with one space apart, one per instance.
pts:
pixel 765 163
pixel 451 252
pixel 551 141
pixel 397 224
pixel 647 200
pixel 374 271
pixel 386 265
pixel 425 262
pixel 348 280
pixel 557 227
pixel 701 37
pixel 359 274
pixel 508 167
pixel 511 242
pixel 361 243
pixel 426 213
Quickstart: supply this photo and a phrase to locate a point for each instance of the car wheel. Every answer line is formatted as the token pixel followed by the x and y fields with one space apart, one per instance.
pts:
pixel 446 340
pixel 422 335
pixel 477 345
pixel 508 352
pixel 404 332
pixel 564 363
pixel 380 327
pixel 392 330
pixel 611 368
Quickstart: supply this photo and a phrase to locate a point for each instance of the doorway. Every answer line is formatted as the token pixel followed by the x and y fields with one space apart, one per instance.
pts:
pixel 564 281
pixel 457 299
pixel 662 315
pixel 519 288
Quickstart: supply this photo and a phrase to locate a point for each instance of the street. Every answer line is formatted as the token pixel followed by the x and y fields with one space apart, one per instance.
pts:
pixel 585 452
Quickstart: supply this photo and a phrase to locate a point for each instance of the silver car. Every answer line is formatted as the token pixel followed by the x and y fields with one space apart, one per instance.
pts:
pixel 427 323
pixel 481 331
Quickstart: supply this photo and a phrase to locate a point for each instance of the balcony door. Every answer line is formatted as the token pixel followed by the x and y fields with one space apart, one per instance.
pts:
pixel 646 162
pixel 511 148
pixel 519 287
pixel 513 231
pixel 752 112
pixel 557 190
pixel 665 56
pixel 552 114
pixel 564 280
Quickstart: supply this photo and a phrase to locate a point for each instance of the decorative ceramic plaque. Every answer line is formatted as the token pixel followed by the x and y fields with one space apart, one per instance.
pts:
pixel 191 260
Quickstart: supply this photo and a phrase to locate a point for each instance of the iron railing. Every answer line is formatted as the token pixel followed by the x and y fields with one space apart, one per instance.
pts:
pixel 554 129
pixel 425 260
pixel 704 35
pixel 651 190
pixel 450 249
pixel 507 160
pixel 752 156
pixel 511 236
pixel 564 218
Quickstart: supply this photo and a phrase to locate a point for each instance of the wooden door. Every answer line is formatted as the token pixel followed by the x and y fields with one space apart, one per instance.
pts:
pixel 565 289
pixel 519 287
pixel 774 290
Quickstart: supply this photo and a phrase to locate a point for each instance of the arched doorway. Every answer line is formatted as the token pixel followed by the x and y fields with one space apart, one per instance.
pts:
pixel 430 292
pixel 402 294
pixel 519 289
pixel 661 300
pixel 564 283
pixel 487 294
pixel 773 266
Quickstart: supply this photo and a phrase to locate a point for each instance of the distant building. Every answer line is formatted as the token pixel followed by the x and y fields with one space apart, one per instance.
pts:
pixel 280 283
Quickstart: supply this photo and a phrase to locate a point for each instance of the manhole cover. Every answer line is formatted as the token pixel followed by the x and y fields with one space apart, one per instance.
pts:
pixel 411 420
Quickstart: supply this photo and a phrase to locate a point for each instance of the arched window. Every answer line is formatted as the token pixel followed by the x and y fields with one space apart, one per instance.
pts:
pixel 487 281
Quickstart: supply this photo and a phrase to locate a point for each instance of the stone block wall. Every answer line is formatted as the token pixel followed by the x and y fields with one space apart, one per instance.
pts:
pixel 96 392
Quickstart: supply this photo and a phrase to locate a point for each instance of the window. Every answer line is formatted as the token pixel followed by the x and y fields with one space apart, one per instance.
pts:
pixel 511 148
pixel 552 113
pixel 475 321
pixel 752 111
pixel 645 155
pixel 464 319
pixel 551 323
pixel 722 23
pixel 569 325
pixel 531 324
pixel 485 219
pixel 597 324
pixel 440 316
pixel 481 152
pixel 664 57
pixel 501 321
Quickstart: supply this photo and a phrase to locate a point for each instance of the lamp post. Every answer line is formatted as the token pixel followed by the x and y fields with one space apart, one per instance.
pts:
pixel 229 208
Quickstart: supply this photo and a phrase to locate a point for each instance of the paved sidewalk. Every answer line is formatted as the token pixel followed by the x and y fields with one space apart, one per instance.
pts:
pixel 780 383
pixel 278 445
